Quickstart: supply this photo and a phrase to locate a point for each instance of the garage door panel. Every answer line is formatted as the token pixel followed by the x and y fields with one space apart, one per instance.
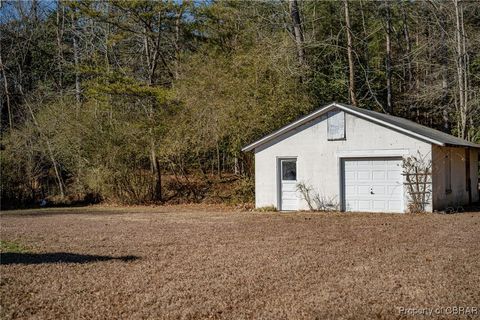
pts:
pixel 379 162
pixel 391 164
pixel 364 205
pixel 350 164
pixel 363 190
pixel 364 163
pixel 350 175
pixel 379 205
pixel 351 189
pixel 395 190
pixel 395 205
pixel 364 175
pixel 379 190
pixel 373 185
pixel 378 175
pixel 351 206
pixel 394 175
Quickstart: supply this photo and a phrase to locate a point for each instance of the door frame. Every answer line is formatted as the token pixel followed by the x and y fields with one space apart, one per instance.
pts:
pixel 278 170
pixel 342 177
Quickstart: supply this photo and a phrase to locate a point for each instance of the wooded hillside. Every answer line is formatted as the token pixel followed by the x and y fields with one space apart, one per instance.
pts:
pixel 151 101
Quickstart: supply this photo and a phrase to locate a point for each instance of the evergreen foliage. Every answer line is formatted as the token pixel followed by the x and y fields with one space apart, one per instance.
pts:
pixel 151 101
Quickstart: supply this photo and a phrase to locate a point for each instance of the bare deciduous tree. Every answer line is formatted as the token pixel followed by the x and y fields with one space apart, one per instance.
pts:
pixel 298 31
pixel 351 72
pixel 388 59
pixel 462 68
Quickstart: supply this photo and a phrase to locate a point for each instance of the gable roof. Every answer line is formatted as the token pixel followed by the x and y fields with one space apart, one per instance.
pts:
pixel 396 123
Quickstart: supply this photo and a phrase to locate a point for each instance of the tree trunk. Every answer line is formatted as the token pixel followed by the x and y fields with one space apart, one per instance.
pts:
pixel 50 152
pixel 445 73
pixel 152 52
pixel 60 28
pixel 156 174
pixel 7 93
pixel 297 30
pixel 159 180
pixel 460 59
pixel 178 20
pixel 366 67
pixel 235 165
pixel 406 34
pixel 389 58
pixel 466 70
pixel 219 173
pixel 365 35
pixel 76 60
pixel 351 86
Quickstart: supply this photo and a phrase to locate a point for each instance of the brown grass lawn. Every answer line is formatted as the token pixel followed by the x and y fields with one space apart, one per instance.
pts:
pixel 208 262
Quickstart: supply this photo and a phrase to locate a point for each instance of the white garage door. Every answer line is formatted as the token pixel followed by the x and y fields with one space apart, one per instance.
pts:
pixel 373 185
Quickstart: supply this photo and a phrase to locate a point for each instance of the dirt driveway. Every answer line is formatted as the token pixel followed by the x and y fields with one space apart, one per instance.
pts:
pixel 208 262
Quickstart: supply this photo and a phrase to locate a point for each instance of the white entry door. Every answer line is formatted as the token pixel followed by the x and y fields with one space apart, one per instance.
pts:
pixel 373 185
pixel 288 185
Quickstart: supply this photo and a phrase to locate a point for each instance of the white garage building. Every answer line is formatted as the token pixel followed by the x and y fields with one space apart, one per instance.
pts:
pixel 352 158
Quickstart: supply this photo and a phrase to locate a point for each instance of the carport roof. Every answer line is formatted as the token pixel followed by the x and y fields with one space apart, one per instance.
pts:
pixel 396 123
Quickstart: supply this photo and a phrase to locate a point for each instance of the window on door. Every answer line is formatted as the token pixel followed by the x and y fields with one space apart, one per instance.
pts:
pixel 289 170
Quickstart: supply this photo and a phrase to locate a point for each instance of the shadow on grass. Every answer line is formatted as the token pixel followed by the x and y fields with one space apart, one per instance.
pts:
pixel 57 257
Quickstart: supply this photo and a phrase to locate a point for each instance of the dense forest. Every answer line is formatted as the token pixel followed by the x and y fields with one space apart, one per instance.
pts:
pixel 151 101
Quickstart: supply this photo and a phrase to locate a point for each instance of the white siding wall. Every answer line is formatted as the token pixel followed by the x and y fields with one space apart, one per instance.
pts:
pixel 318 159
pixel 458 194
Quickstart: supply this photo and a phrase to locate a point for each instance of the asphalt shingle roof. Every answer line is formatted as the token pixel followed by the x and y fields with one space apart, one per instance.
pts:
pixel 433 134
pixel 401 124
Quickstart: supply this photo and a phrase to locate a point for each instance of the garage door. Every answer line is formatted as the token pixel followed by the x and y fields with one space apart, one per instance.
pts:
pixel 373 185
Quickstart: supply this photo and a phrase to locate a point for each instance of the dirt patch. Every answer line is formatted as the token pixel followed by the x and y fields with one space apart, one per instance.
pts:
pixel 181 262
